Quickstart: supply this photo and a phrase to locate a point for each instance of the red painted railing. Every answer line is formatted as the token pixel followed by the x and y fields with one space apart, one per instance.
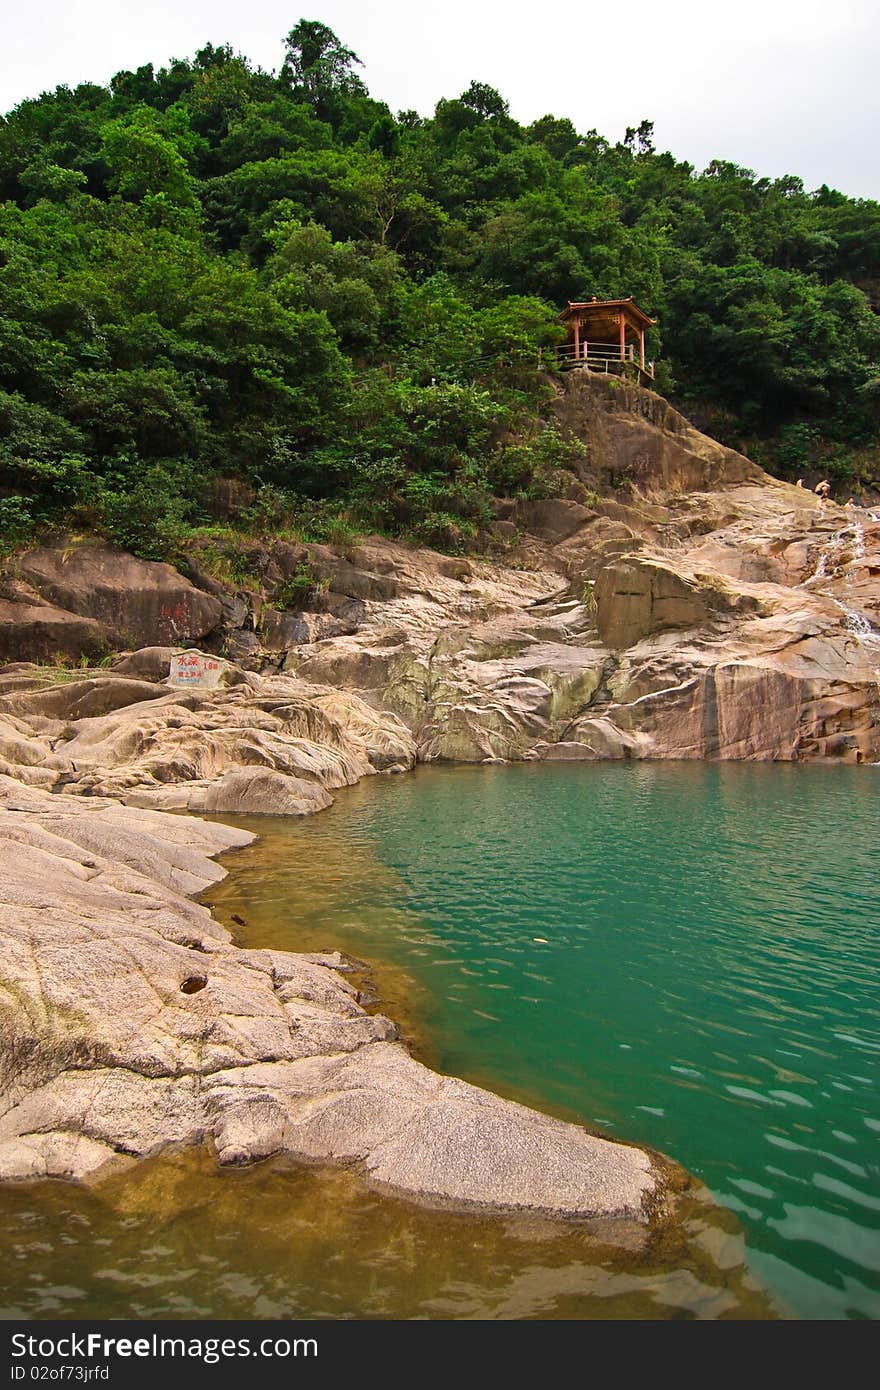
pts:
pixel 602 357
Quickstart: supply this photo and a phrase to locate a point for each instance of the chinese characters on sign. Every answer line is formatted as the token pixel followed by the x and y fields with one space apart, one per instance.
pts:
pixel 194 669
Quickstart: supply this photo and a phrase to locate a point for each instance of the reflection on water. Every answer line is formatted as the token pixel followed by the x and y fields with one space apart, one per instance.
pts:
pixel 177 1238
pixel 685 955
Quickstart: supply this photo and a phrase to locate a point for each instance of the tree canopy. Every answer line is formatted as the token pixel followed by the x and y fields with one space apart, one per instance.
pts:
pixel 210 270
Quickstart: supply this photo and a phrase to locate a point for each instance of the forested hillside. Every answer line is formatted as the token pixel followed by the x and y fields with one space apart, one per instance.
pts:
pixel 213 273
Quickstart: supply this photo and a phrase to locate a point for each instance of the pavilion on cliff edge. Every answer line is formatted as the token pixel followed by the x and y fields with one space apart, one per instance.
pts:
pixel 606 335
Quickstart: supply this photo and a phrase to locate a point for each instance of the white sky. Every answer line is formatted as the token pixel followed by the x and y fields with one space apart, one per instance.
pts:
pixel 780 86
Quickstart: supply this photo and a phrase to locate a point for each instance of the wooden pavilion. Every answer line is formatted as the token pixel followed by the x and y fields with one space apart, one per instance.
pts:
pixel 606 335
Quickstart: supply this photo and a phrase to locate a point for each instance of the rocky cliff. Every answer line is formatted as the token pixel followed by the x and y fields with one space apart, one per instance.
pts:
pixel 678 604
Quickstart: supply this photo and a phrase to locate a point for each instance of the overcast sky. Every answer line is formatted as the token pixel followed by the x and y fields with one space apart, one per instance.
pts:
pixel 781 86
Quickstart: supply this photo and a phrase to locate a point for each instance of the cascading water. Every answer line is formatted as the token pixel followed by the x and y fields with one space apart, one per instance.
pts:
pixel 837 561
pixel 843 550
pixel 860 628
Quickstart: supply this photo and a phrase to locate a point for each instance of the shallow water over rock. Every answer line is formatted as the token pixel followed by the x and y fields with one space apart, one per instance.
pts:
pixel 176 1237
pixel 682 955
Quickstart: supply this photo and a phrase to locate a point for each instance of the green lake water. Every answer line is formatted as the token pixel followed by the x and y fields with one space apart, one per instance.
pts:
pixel 683 955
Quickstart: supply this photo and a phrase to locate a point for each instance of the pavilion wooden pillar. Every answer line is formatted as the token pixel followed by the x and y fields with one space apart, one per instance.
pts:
pixel 594 321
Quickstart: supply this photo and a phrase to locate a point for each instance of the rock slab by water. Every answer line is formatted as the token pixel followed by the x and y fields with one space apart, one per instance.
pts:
pixel 129 1020
pixel 696 608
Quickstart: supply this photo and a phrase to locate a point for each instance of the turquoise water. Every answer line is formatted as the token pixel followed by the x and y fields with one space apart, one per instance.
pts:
pixel 683 955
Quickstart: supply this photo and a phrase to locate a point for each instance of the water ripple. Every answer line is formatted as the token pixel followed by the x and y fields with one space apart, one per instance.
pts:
pixel 686 953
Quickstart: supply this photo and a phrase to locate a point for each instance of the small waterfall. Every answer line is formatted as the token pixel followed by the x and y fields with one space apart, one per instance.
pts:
pixel 819 571
pixel 859 535
pixel 858 625
pixel 837 560
pixel 842 550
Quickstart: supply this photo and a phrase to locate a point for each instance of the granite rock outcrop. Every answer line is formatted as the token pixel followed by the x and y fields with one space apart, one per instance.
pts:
pixel 679 604
pixel 130 1021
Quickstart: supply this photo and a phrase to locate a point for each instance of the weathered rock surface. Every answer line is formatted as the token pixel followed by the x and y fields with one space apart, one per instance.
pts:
pixel 129 1021
pixel 131 602
pixel 705 611
pixel 633 436
pixel 40 631
pixel 252 744
pixel 699 609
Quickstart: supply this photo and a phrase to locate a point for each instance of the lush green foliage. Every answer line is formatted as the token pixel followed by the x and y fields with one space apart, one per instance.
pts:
pixel 210 270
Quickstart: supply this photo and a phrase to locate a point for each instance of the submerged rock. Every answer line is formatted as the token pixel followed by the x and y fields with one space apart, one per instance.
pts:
pixel 696 609
pixel 129 1021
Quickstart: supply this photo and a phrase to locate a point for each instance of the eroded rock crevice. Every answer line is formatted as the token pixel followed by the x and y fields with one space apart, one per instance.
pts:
pixel 689 606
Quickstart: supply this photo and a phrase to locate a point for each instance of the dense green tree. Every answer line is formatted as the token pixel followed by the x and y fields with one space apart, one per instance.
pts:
pixel 209 268
pixel 321 71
